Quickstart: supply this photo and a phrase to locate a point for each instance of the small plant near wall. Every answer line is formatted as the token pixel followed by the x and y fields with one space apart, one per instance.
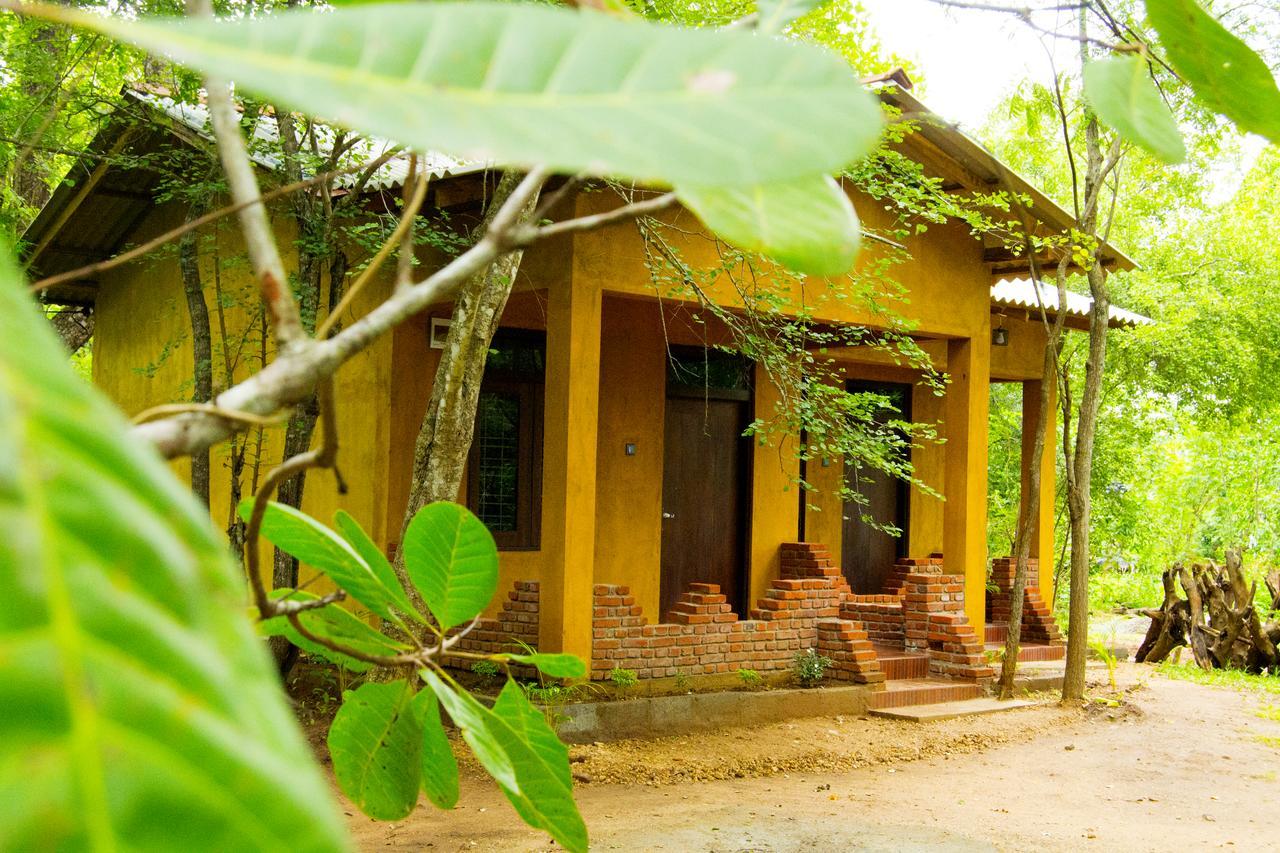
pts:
pixel 750 678
pixel 682 682
pixel 486 671
pixel 810 667
pixel 623 679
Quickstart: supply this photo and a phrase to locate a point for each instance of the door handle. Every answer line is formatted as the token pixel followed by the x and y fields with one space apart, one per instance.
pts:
pixel 668 514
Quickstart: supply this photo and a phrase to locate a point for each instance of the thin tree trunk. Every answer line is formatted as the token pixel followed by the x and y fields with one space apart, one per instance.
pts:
pixel 444 439
pixel 201 341
pixel 1079 502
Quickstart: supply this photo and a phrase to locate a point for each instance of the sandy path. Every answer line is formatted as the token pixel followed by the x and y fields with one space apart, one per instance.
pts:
pixel 1188 770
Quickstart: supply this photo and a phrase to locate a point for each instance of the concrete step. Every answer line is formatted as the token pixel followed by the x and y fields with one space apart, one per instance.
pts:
pixel 1031 652
pixel 950 710
pixel 897 663
pixel 921 691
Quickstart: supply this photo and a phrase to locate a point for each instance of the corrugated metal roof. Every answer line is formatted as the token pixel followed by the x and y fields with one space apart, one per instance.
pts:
pixel 264 147
pixel 1021 293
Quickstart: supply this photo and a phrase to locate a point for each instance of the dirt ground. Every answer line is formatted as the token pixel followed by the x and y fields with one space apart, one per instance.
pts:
pixel 1176 765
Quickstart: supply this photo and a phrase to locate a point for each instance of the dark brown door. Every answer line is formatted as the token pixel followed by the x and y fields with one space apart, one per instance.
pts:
pixel 704 478
pixel 868 553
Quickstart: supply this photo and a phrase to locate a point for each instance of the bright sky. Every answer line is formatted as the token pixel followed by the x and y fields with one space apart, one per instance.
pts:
pixel 969 59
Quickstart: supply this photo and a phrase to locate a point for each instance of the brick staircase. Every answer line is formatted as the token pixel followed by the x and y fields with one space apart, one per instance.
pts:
pixel 907 682
pixel 1028 652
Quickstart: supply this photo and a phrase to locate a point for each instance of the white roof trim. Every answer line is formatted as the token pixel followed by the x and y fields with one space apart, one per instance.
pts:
pixel 1021 293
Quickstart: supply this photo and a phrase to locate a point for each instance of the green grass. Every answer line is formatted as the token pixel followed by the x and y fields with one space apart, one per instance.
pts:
pixel 1231 678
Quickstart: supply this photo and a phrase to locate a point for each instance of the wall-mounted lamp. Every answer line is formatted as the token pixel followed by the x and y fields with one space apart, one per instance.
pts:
pixel 1000 337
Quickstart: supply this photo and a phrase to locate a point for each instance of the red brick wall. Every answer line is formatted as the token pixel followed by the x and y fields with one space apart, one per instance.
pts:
pixel 880 615
pixel 801 610
pixel 809 606
pixel 518 622
pixel 1038 624
pixel 935 624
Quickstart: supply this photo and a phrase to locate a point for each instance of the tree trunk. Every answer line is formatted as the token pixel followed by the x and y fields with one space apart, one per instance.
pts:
pixel 444 439
pixel 1079 502
pixel 201 341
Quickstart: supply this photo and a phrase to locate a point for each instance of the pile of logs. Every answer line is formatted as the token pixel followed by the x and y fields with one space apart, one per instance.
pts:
pixel 1218 618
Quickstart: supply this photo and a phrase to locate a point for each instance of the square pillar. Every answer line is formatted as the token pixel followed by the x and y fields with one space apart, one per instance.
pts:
pixel 570 420
pixel 1042 532
pixel 964 515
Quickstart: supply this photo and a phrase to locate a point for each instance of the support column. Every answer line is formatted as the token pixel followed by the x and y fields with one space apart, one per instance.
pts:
pixel 571 413
pixel 1042 547
pixel 964 521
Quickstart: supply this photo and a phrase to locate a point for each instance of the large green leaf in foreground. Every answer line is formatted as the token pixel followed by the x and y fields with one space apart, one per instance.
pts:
pixel 515 83
pixel 1120 90
pixel 1225 74
pixel 138 710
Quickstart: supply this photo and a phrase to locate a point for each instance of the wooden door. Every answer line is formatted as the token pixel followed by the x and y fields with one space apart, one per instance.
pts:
pixel 704 503
pixel 867 553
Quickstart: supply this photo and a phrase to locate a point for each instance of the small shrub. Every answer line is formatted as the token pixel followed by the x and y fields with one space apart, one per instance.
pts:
pixel 750 678
pixel 623 678
pixel 486 670
pixel 682 682
pixel 1104 654
pixel 810 667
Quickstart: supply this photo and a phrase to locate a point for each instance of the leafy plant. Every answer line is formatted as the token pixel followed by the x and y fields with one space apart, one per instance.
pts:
pixel 682 682
pixel 487 671
pixel 750 678
pixel 387 741
pixel 1104 653
pixel 810 667
pixel 623 678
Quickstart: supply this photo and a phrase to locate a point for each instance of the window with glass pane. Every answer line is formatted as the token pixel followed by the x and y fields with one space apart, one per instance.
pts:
pixel 497 459
pixel 504 470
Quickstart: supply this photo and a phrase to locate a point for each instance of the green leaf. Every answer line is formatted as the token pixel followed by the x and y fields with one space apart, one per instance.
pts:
pixel 806 224
pixel 376 561
pixel 138 707
pixel 472 719
pixel 531 771
pixel 451 558
pixel 439 767
pixel 542 768
pixel 376 745
pixel 1224 73
pixel 576 91
pixel 335 623
pixel 554 665
pixel 1121 92
pixel 301 536
pixel 775 15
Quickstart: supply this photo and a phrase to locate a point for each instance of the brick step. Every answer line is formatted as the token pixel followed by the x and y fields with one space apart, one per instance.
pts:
pixel 922 691
pixel 996 633
pixel 1028 652
pixel 897 664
